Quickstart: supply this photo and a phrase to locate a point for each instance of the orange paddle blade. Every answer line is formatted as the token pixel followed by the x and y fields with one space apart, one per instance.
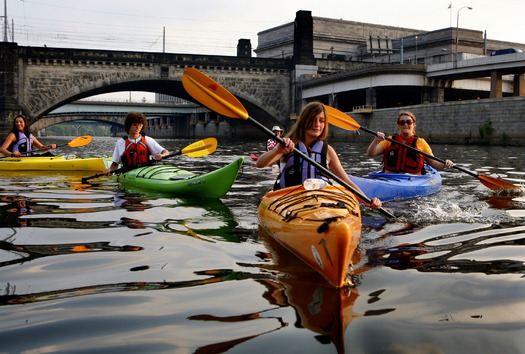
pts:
pixel 497 184
pixel 341 119
pixel 212 95
pixel 80 141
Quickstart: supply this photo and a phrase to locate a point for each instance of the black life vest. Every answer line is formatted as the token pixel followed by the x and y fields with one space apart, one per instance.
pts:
pixel 397 158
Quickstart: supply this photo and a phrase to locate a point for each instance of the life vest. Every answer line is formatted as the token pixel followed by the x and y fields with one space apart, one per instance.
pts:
pixel 297 169
pixel 400 159
pixel 22 143
pixel 135 153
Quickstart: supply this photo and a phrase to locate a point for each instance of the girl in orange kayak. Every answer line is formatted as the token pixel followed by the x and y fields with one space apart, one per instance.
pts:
pixel 307 134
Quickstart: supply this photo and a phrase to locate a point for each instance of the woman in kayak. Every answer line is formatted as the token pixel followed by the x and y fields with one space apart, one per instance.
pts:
pixel 135 148
pixel 20 141
pixel 398 159
pixel 307 134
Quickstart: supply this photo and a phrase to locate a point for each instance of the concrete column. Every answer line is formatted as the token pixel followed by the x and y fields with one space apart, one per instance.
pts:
pixel 437 94
pixel 519 85
pixel 371 97
pixel 496 85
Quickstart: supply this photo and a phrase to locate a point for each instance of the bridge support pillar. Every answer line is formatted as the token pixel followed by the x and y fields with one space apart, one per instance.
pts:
pixel 371 97
pixel 519 85
pixel 496 85
pixel 437 95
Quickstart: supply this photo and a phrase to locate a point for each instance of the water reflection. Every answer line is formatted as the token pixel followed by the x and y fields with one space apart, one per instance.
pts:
pixel 100 268
pixel 470 251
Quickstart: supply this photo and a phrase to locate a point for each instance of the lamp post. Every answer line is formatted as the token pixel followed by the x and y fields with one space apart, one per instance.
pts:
pixel 457 30
pixel 416 50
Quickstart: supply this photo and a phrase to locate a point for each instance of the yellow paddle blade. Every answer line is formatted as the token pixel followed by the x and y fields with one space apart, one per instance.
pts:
pixel 200 148
pixel 496 184
pixel 212 95
pixel 340 119
pixel 80 141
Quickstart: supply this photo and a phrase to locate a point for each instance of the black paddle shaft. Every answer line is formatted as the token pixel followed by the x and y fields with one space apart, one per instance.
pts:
pixel 128 168
pixel 421 152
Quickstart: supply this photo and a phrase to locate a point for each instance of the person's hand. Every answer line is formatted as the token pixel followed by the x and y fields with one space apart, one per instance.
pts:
pixel 157 157
pixel 288 146
pixel 53 146
pixel 16 153
pixel 449 164
pixel 107 171
pixel 376 203
pixel 380 135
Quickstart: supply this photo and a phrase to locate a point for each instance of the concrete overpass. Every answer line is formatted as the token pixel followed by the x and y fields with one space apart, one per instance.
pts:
pixel 486 74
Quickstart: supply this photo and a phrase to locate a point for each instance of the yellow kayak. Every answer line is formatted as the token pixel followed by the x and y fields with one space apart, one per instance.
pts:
pixel 322 227
pixel 53 163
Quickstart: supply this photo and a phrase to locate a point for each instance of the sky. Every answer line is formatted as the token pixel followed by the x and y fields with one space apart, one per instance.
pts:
pixel 215 26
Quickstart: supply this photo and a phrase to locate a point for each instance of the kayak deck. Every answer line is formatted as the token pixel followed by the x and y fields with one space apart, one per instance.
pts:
pixel 54 163
pixel 392 186
pixel 321 227
pixel 170 179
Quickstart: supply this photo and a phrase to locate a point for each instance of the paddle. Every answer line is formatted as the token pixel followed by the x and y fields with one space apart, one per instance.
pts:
pixel 343 120
pixel 212 95
pixel 77 142
pixel 199 148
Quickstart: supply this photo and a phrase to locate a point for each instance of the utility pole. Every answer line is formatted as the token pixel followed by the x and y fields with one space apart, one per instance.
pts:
pixel 5 20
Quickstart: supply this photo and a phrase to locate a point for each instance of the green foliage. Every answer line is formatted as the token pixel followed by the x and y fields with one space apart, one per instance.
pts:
pixel 486 129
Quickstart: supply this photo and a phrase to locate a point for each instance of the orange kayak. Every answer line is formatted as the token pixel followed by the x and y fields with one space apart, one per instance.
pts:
pixel 322 227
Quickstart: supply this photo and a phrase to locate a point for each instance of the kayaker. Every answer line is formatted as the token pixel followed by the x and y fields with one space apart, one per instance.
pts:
pixel 398 159
pixel 20 141
pixel 136 147
pixel 270 144
pixel 308 134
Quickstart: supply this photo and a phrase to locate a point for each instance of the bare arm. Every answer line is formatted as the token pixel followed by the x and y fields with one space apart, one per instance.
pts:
pixel 375 148
pixel 39 145
pixel 8 141
pixel 334 164
pixel 275 154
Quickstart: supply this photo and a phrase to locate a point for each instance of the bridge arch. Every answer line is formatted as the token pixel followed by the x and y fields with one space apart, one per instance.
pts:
pixel 49 78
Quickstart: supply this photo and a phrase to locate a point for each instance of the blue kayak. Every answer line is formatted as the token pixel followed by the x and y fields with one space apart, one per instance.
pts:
pixel 391 186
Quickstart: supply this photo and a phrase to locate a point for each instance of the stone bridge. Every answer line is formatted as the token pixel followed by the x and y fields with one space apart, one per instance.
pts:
pixel 36 80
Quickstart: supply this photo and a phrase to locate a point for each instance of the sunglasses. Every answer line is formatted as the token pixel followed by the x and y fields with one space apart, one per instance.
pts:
pixel 407 122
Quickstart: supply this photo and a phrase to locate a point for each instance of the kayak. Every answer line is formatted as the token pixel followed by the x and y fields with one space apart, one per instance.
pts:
pixel 392 186
pixel 54 163
pixel 319 307
pixel 322 227
pixel 170 179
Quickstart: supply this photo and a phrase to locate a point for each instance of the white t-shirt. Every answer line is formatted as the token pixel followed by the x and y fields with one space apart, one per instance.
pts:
pixel 120 147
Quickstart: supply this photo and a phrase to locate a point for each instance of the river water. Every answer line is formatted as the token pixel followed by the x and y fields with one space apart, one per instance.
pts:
pixel 92 268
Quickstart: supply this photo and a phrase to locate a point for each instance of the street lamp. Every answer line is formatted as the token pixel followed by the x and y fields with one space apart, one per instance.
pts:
pixel 457 30
pixel 416 50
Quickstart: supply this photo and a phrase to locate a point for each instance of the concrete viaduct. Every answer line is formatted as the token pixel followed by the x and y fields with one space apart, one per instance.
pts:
pixel 37 80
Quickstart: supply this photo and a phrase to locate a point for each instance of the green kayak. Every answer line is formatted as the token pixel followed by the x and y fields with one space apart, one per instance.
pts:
pixel 172 180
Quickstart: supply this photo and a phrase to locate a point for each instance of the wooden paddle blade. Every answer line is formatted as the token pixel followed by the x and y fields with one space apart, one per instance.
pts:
pixel 80 141
pixel 212 95
pixel 200 148
pixel 496 184
pixel 341 119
